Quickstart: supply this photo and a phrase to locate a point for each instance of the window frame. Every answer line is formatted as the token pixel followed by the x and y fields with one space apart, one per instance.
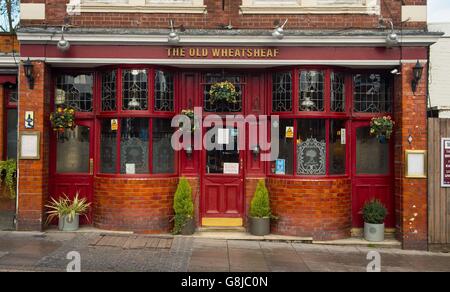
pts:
pixel 8 106
pixel 141 6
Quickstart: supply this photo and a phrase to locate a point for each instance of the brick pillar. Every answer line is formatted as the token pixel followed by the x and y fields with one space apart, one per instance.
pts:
pixel 410 194
pixel 2 117
pixel 33 174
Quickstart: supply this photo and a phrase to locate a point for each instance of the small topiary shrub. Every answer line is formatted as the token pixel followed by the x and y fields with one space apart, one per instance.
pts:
pixel 374 212
pixel 183 205
pixel 260 204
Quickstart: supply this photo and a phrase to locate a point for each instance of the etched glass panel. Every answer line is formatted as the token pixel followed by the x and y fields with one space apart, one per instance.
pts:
pixel 109 91
pixel 337 147
pixel 73 150
pixel 75 91
pixel 212 78
pixel 164 91
pixel 163 153
pixel 337 92
pixel 135 90
pixel 372 157
pixel 311 91
pixel 372 94
pixel 108 147
pixel 311 147
pixel 282 92
pixel 134 146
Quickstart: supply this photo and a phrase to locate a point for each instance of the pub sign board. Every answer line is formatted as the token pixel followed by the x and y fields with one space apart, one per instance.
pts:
pixel 445 163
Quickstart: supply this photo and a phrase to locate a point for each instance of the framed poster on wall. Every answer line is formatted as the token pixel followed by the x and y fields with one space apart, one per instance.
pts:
pixel 445 162
pixel 416 164
pixel 29 145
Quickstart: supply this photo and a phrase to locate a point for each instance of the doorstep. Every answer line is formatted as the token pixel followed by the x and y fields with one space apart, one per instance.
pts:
pixel 359 241
pixel 231 235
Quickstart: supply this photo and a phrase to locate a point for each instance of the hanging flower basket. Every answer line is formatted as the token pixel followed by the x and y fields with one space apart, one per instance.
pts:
pixel 223 92
pixel 382 128
pixel 62 119
pixel 190 114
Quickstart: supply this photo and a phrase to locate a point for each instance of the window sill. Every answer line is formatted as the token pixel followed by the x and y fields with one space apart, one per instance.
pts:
pixel 125 8
pixel 294 9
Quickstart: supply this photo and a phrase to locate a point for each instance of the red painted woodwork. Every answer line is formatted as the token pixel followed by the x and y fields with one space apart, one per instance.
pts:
pixel 366 187
pixel 71 183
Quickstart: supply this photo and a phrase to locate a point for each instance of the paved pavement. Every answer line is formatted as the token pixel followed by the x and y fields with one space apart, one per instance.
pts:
pixel 48 252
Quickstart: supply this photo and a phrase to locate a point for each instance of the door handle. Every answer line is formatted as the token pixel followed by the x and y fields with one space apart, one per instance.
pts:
pixel 91 166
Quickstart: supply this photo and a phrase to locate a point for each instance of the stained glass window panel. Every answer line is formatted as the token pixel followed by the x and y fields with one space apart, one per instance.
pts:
pixel 337 92
pixel 311 91
pixel 135 90
pixel 311 147
pixel 164 93
pixel 282 92
pixel 371 93
pixel 75 91
pixel 109 91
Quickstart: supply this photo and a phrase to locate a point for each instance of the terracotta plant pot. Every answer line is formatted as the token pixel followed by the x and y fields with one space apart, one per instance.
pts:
pixel 259 226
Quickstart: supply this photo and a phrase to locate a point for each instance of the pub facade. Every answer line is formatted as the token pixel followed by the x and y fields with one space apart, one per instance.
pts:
pixel 324 69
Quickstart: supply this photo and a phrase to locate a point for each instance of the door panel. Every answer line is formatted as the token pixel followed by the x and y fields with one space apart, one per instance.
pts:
pixel 372 173
pixel 72 164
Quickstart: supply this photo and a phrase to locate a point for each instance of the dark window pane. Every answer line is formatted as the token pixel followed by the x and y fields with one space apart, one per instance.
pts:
pixel 311 147
pixel 11 147
pixel 108 147
pixel 337 148
pixel 372 157
pixel 337 92
pixel 135 90
pixel 134 146
pixel 286 148
pixel 109 91
pixel 73 151
pixel 75 91
pixel 311 91
pixel 222 153
pixel 163 91
pixel 212 78
pixel 371 93
pixel 163 153
pixel 282 92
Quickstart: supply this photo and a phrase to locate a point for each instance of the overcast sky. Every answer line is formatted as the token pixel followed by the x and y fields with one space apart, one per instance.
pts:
pixel 438 10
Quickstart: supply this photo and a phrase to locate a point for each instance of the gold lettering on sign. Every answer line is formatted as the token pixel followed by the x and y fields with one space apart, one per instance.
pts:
pixel 223 52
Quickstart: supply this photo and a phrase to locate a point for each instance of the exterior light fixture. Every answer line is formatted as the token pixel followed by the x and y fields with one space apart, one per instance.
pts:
pixel 63 45
pixel 29 74
pixel 396 72
pixel 278 32
pixel 392 37
pixel 417 75
pixel 410 139
pixel 255 151
pixel 173 38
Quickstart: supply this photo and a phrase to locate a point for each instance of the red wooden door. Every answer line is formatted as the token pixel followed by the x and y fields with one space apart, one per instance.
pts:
pixel 222 177
pixel 72 164
pixel 372 173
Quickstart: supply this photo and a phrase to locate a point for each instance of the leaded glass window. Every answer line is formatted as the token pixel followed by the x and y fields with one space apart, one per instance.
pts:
pixel 311 91
pixel 164 93
pixel 109 83
pixel 135 90
pixel 337 92
pixel 371 94
pixel 311 147
pixel 212 78
pixel 282 92
pixel 75 91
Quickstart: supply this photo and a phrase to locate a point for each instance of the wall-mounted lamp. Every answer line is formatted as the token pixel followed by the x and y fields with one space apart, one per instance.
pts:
pixel 173 38
pixel 29 74
pixel 63 45
pixel 392 37
pixel 417 75
pixel 410 139
pixel 255 151
pixel 278 32
pixel 189 151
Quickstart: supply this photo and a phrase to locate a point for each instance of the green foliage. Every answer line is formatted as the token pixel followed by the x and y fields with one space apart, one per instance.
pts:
pixel 183 205
pixel 66 207
pixel 260 205
pixel 8 173
pixel 63 118
pixel 223 92
pixel 382 126
pixel 374 212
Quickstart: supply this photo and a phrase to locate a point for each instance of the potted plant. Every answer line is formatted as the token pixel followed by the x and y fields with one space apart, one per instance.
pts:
pixel 260 212
pixel 8 175
pixel 223 92
pixel 183 207
pixel 68 211
pixel 62 119
pixel 189 114
pixel 374 214
pixel 382 127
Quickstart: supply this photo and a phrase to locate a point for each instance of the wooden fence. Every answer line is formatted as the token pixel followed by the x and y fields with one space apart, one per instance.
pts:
pixel 438 197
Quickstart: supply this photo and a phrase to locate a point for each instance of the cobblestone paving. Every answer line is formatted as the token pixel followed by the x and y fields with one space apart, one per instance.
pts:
pixel 47 252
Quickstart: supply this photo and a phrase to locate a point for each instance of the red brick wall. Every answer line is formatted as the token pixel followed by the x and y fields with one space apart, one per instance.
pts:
pixel 55 11
pixel 410 194
pixel 313 208
pixel 9 43
pixel 140 205
pixel 33 174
